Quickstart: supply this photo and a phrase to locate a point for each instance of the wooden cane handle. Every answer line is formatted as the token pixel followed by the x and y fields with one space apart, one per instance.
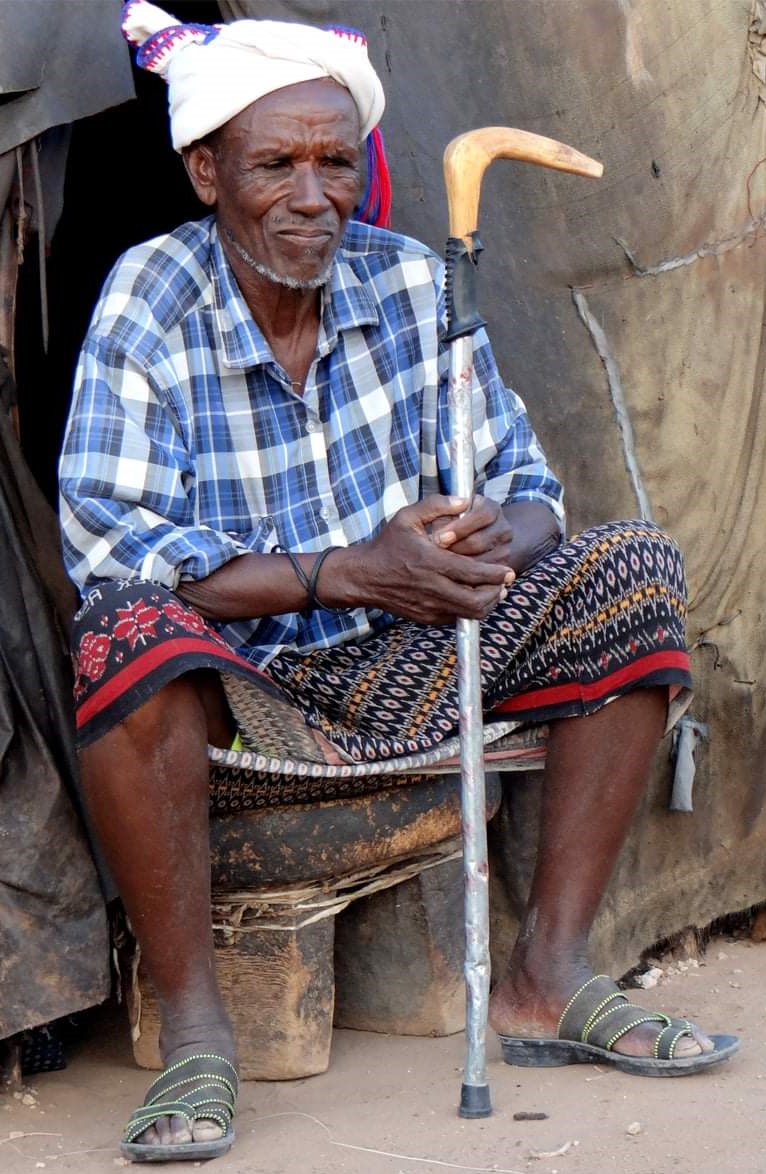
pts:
pixel 467 157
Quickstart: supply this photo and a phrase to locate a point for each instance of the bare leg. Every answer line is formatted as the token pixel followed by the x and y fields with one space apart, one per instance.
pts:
pixel 596 770
pixel 146 786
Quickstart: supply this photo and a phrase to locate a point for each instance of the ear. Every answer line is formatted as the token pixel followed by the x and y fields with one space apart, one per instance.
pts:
pixel 200 167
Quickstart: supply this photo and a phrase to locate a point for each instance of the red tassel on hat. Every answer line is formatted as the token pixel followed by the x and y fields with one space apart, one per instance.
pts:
pixel 375 206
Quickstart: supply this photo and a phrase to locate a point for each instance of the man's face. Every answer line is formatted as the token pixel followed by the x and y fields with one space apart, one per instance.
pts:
pixel 284 176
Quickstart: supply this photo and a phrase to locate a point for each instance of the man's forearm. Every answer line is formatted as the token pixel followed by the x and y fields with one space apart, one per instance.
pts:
pixel 254 585
pixel 536 532
pixel 250 586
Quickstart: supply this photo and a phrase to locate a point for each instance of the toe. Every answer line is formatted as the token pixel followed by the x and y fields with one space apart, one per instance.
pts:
pixel 206 1130
pixel 173 1131
pixel 150 1136
pixel 693 1045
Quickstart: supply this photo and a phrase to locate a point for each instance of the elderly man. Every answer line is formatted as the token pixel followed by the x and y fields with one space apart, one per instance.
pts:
pixel 255 480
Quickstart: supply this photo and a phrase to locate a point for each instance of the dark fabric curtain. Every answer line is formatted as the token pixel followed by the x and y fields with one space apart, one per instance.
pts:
pixel 54 951
pixel 53 935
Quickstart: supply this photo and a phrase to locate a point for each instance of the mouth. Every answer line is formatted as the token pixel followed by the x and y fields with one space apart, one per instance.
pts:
pixel 306 236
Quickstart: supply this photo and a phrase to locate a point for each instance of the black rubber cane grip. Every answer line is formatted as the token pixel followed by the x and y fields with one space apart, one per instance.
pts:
pixel 460 287
pixel 474 1101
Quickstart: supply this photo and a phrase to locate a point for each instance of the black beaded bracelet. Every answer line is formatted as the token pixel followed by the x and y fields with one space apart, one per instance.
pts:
pixel 301 575
pixel 314 600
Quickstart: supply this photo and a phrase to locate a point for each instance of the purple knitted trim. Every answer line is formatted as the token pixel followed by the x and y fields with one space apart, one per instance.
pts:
pixel 350 34
pixel 153 52
pixel 126 10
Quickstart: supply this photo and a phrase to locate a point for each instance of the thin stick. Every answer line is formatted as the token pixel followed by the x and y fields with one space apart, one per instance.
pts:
pixel 474 1097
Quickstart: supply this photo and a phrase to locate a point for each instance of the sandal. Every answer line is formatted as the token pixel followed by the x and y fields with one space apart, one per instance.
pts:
pixel 206 1086
pixel 595 1018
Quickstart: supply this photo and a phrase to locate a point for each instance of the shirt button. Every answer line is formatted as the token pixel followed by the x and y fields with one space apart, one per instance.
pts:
pixel 325 512
pixel 311 425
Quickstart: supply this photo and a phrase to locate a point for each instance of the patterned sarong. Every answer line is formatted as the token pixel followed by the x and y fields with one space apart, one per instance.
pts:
pixel 603 614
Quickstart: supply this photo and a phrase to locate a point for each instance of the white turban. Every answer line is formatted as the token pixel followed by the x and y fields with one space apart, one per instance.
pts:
pixel 215 71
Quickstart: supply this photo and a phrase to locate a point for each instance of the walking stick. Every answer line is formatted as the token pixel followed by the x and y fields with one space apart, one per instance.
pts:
pixel 465 160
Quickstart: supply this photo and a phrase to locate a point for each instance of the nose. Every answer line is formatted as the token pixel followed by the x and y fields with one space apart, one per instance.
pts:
pixel 308 195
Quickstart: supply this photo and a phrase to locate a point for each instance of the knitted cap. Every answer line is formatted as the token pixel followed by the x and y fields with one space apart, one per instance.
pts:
pixel 215 71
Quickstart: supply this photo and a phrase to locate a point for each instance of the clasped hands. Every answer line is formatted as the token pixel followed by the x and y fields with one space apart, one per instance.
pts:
pixel 437 561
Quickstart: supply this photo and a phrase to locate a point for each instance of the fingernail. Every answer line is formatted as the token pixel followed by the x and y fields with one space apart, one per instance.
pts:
pixel 509 578
pixel 446 537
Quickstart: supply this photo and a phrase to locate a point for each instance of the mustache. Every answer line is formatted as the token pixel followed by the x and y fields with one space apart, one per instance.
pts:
pixel 325 224
pixel 278 278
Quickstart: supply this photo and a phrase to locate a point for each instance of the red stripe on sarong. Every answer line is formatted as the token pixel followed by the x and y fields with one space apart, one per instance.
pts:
pixel 145 664
pixel 560 694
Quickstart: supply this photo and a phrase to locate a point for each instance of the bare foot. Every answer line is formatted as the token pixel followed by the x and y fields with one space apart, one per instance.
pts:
pixel 519 1007
pixel 176 1130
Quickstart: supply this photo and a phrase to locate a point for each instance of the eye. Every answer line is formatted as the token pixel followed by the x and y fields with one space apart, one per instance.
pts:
pixel 338 161
pixel 277 164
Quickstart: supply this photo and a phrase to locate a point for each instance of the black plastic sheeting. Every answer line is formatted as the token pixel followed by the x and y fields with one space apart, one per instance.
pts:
pixel 60 60
pixel 53 937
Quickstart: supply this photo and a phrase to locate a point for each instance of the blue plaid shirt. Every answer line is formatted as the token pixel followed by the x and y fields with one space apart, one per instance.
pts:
pixel 186 446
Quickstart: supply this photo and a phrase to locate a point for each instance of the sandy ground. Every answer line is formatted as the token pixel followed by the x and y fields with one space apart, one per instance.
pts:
pixel 387 1105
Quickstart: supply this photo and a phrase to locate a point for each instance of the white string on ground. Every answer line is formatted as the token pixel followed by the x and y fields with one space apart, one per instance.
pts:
pixel 346 1145
pixel 14 1136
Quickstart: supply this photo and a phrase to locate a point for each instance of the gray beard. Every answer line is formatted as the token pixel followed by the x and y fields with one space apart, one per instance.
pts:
pixel 272 275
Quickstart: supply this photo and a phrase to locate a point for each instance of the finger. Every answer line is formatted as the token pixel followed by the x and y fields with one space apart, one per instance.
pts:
pixel 442 598
pixel 478 530
pixel 459 531
pixel 484 603
pixel 470 572
pixel 444 538
pixel 491 545
pixel 442 531
pixel 472 605
pixel 437 506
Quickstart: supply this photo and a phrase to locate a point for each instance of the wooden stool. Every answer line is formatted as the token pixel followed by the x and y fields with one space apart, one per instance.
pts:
pixel 399 956
pixel 389 864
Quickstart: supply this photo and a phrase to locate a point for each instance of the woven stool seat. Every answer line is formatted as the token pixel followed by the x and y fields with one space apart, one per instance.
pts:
pixel 249 780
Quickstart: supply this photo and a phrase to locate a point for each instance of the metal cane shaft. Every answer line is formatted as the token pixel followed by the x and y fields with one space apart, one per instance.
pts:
pixel 477 966
pixel 476 880
pixel 465 161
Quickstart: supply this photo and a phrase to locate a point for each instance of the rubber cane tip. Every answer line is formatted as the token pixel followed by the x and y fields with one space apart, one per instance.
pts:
pixel 474 1101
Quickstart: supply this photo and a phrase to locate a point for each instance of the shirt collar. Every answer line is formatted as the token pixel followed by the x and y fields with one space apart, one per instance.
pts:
pixel 346 304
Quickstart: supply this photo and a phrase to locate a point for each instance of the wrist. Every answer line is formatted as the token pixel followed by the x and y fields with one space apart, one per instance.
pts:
pixel 329 587
pixel 312 588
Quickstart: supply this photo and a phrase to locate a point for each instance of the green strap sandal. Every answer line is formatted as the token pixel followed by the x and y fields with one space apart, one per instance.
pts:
pixel 201 1087
pixel 595 1018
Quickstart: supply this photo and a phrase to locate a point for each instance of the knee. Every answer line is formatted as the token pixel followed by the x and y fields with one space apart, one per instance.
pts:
pixel 649 553
pixel 131 606
pixel 661 557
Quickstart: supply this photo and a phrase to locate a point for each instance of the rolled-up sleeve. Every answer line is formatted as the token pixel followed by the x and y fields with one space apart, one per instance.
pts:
pixel 127 485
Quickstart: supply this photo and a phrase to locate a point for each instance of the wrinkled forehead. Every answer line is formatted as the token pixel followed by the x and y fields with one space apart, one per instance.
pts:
pixel 319 107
